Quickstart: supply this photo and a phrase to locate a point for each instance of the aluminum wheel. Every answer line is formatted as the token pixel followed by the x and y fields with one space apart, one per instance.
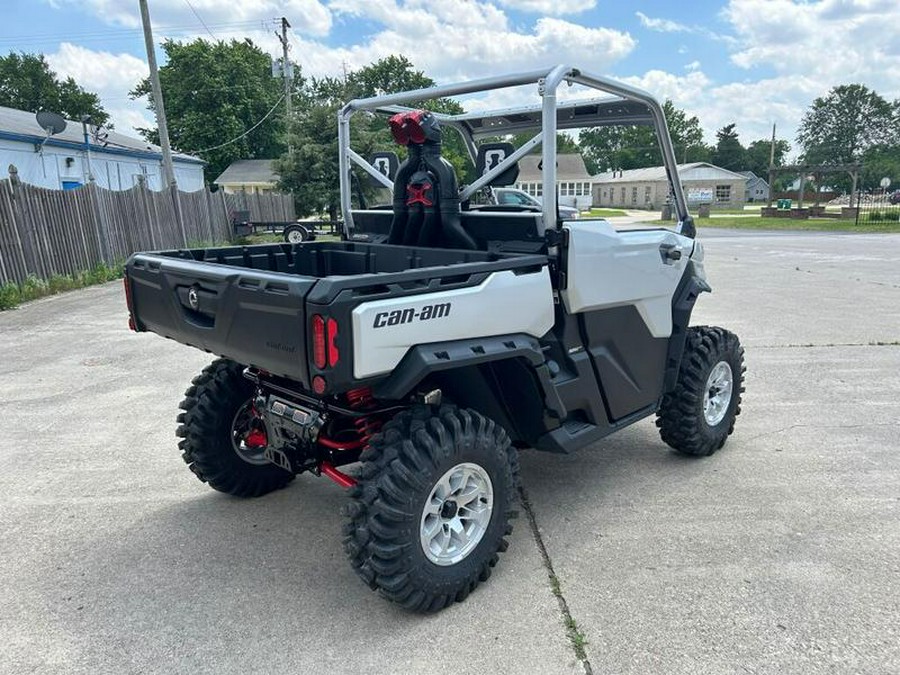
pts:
pixel 456 514
pixel 248 436
pixel 719 386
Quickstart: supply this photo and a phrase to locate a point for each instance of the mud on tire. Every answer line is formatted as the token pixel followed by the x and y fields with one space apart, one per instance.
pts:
pixel 210 408
pixel 400 470
pixel 681 419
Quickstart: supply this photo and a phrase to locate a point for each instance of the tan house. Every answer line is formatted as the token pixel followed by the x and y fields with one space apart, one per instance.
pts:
pixel 648 188
pixel 573 182
pixel 254 176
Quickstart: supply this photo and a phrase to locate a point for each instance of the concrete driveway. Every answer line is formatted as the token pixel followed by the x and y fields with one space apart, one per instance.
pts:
pixel 781 554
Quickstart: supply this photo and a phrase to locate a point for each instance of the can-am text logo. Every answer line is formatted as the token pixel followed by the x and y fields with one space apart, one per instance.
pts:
pixel 401 316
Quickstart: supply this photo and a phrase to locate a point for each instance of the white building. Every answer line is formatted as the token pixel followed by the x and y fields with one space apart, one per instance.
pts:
pixel 573 182
pixel 648 188
pixel 60 162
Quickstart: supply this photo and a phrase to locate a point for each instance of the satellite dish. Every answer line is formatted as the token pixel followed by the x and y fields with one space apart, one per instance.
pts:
pixel 51 122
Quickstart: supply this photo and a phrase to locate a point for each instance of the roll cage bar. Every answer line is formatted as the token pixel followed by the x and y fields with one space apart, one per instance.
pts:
pixel 627 106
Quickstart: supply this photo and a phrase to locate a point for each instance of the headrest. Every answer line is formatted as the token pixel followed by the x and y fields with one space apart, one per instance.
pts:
pixel 416 127
pixel 489 156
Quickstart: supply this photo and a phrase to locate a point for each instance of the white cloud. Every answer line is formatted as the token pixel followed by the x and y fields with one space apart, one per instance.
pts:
pixel 662 25
pixel 453 39
pixel 811 47
pixel 555 7
pixel 223 17
pixel 110 76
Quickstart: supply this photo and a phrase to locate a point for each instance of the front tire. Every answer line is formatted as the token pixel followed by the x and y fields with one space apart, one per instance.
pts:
pixel 698 415
pixel 428 518
pixel 220 442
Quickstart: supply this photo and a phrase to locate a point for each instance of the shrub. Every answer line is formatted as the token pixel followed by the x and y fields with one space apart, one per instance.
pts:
pixel 12 295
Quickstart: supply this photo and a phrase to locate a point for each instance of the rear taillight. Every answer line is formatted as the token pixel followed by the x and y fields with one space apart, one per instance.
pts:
pixel 318 331
pixel 325 350
pixel 128 303
pixel 334 354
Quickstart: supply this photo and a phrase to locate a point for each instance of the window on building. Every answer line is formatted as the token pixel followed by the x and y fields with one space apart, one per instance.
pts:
pixel 723 193
pixel 623 196
pixel 634 195
pixel 647 192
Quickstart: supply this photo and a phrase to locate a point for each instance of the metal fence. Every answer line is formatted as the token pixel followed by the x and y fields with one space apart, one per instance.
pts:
pixel 876 209
pixel 49 232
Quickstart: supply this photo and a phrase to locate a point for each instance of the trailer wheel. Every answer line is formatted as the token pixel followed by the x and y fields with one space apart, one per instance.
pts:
pixel 295 234
pixel 221 441
pixel 428 518
pixel 698 415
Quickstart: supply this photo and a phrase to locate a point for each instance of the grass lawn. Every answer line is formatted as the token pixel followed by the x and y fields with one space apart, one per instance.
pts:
pixel 605 213
pixel 814 224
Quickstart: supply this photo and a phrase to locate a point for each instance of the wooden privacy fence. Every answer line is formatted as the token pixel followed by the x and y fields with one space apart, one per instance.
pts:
pixel 48 232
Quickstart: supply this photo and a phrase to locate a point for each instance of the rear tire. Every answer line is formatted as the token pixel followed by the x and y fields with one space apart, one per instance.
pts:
pixel 698 415
pixel 428 517
pixel 212 429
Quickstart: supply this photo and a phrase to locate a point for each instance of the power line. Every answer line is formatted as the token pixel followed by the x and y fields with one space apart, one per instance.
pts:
pixel 200 19
pixel 237 138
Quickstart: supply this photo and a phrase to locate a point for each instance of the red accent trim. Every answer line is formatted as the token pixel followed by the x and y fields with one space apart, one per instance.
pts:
pixel 339 477
pixel 418 194
pixel 256 439
pixel 406 127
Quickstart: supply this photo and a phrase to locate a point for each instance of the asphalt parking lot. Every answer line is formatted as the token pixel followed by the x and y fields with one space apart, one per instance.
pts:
pixel 780 554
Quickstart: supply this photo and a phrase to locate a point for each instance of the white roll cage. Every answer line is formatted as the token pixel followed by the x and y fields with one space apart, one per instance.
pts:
pixel 627 106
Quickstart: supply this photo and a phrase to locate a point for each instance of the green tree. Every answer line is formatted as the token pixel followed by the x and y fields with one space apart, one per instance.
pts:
pixel 214 92
pixel 880 161
pixel 311 171
pixel 729 153
pixel 758 153
pixel 28 83
pixel 565 144
pixel 636 147
pixel 840 127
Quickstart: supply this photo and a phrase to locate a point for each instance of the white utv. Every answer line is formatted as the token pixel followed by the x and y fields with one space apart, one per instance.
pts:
pixel 435 341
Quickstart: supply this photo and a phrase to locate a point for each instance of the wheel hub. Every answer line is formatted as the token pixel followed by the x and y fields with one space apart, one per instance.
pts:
pixel 248 436
pixel 456 514
pixel 717 398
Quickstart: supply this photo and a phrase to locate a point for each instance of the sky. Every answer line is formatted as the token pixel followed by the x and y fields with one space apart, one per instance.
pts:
pixel 750 62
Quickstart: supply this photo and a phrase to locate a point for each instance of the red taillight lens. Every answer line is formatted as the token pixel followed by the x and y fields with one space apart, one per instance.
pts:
pixel 131 323
pixel 334 354
pixel 319 384
pixel 318 330
pixel 325 350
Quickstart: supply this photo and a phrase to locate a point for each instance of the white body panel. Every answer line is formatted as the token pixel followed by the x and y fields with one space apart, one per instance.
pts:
pixel 503 303
pixel 607 268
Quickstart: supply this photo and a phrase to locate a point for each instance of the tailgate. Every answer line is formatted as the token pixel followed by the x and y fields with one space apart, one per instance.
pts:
pixel 251 316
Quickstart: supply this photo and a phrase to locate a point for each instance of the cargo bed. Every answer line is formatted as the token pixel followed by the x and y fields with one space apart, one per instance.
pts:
pixel 251 303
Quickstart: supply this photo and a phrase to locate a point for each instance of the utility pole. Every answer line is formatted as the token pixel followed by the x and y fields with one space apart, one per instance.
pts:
pixel 168 171
pixel 771 165
pixel 286 74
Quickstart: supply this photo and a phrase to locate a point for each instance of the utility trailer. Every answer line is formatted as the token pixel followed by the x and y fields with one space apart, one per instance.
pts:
pixel 411 361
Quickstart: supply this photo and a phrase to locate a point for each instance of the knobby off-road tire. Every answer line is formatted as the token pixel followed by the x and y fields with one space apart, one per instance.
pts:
pixel 404 475
pixel 211 415
pixel 698 415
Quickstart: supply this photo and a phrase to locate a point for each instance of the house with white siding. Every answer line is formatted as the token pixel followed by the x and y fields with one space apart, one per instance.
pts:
pixel 67 160
pixel 573 182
